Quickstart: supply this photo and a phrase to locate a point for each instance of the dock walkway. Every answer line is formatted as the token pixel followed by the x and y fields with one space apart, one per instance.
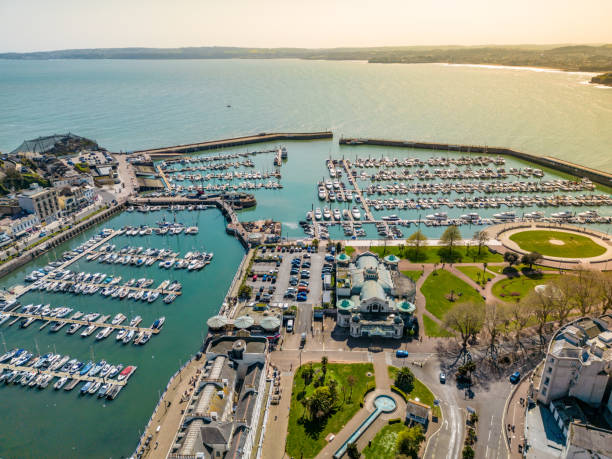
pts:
pixel 366 208
pixel 63 374
pixel 101 324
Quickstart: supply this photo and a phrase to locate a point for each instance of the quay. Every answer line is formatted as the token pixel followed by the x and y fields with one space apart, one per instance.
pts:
pixel 366 207
pixel 61 374
pixel 101 323
pixel 178 150
pixel 601 177
pixel 233 227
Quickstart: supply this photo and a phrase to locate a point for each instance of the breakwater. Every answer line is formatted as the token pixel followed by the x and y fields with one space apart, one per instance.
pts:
pixel 177 150
pixel 595 175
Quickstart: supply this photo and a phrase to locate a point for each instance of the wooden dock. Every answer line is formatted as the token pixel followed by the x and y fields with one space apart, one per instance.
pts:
pixel 62 374
pixel 357 190
pixel 99 323
pixel 27 288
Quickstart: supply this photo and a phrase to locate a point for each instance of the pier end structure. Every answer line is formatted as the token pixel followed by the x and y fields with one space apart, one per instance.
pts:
pixel 601 177
pixel 179 150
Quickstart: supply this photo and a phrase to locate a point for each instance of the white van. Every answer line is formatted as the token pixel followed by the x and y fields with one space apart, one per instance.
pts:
pixel 290 326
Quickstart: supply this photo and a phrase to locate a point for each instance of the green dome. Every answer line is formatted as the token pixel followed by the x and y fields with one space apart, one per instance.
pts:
pixel 345 304
pixel 392 259
pixel 406 307
pixel 343 257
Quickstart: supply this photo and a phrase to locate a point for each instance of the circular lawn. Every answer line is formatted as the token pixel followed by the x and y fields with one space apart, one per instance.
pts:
pixel 558 244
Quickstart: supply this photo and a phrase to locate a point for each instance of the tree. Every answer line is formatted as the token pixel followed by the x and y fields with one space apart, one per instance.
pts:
pixel 338 247
pixel 481 237
pixel 307 373
pixel 333 389
pixel 320 403
pixel 468 452
pixel 494 318
pixel 245 291
pixel 541 307
pixel 416 240
pixel 584 290
pixel 559 291
pixel 404 379
pixel 520 315
pixel 350 381
pixel 352 452
pixel 531 259
pixel 450 237
pixel 605 291
pixel 409 441
pixel 511 258
pixel 466 370
pixel 324 361
pixel 467 318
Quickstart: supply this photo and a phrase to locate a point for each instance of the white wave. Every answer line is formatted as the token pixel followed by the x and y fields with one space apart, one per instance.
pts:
pixel 291 225
pixel 511 67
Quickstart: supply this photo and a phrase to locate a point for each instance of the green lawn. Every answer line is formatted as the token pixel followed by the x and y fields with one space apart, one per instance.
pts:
pixel 573 245
pixel 437 254
pixel 433 329
pixel 414 275
pixel 420 391
pixel 436 287
pixel 518 287
pixel 384 444
pixel 474 272
pixel 349 250
pixel 306 438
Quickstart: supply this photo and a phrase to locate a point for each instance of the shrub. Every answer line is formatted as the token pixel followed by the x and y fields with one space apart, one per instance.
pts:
pixel 395 420
pixel 399 392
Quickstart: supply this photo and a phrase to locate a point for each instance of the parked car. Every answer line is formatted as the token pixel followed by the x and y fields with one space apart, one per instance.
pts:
pixel 442 377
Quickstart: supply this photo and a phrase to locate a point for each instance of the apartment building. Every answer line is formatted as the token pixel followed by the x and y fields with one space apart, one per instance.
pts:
pixel 42 202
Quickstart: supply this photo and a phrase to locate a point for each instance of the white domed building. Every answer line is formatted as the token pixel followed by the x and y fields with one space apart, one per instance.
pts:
pixel 368 300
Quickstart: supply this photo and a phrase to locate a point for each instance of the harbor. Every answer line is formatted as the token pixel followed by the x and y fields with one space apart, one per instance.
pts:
pixel 162 354
pixel 139 242
pixel 103 379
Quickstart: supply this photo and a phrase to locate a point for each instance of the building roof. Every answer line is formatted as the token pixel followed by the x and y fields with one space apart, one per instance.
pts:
pixel 417 409
pixel 372 289
pixel 216 434
pixel 367 260
pixel 593 439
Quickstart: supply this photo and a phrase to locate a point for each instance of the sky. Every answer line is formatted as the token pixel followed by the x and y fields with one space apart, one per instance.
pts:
pixel 39 25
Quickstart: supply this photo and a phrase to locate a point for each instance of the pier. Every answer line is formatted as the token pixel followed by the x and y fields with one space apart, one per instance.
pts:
pixel 61 374
pixel 366 208
pixel 178 150
pixel 601 177
pixel 100 322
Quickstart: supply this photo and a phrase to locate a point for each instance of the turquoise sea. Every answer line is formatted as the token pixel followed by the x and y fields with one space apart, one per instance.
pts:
pixel 127 105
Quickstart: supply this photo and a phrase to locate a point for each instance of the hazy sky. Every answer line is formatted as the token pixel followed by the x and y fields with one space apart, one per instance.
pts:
pixel 28 25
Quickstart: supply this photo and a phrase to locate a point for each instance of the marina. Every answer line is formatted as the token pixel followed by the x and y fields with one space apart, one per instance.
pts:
pixel 103 379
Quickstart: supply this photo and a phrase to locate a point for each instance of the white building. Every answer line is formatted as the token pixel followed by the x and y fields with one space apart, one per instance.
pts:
pixel 15 227
pixel 578 363
pixel 42 202
pixel 367 300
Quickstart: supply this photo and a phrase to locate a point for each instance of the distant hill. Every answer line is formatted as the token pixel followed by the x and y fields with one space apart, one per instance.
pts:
pixel 576 58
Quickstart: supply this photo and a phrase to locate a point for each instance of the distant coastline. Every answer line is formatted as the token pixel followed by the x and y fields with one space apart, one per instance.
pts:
pixel 604 79
pixel 578 58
